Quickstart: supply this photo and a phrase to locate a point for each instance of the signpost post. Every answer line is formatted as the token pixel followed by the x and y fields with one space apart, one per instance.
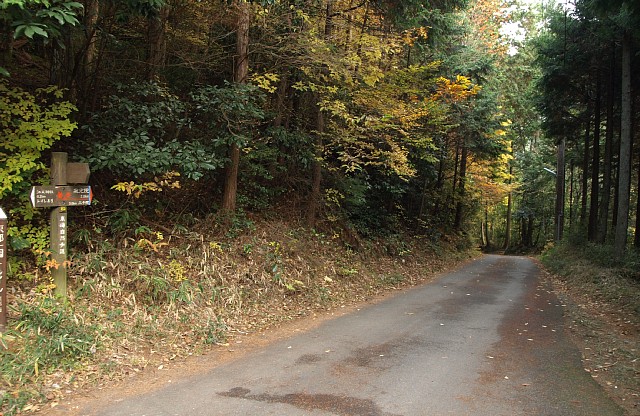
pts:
pixel 61 195
pixel 3 270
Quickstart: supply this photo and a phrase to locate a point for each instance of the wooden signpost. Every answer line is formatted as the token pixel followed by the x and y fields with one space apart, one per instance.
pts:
pixel 3 270
pixel 61 195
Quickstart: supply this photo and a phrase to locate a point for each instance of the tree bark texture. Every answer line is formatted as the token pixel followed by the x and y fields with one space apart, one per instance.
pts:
pixel 316 178
pixel 507 232
pixel 241 71
pixel 595 167
pixel 605 202
pixel 157 42
pixel 560 183
pixel 624 176
pixel 585 168
pixel 461 188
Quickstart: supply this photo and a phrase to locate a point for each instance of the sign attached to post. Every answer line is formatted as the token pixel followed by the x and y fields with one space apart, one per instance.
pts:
pixel 3 269
pixel 61 196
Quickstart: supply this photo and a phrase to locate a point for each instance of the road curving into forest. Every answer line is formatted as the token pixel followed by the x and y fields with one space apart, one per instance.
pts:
pixel 487 339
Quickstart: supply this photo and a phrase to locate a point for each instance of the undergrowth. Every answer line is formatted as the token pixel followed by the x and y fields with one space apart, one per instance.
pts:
pixel 143 300
pixel 593 268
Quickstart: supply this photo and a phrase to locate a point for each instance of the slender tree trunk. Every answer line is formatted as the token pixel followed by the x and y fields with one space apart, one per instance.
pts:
pixel 241 71
pixel 349 28
pixel 461 189
pixel 507 237
pixel 636 240
pixel 530 224
pixel 365 22
pixel 486 228
pixel 439 200
pixel 316 179
pixel 595 166
pixel 454 181
pixel 560 182
pixel 92 11
pixel 624 177
pixel 585 169
pixel 571 171
pixel 423 199
pixel 280 104
pixel 605 202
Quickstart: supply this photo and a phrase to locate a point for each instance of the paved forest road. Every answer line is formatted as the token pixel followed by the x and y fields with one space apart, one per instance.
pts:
pixel 485 340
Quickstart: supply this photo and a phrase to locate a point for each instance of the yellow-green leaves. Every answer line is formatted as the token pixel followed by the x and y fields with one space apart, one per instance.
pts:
pixel 29 125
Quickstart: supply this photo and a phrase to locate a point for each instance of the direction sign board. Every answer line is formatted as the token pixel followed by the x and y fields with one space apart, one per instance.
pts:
pixel 61 196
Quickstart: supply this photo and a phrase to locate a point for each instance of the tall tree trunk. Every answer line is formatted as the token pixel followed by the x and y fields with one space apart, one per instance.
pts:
pixel 439 200
pixel 456 172
pixel 595 166
pixel 241 71
pixel 316 180
pixel 624 176
pixel 560 183
pixel 585 168
pixel 636 239
pixel 507 237
pixel 91 27
pixel 157 41
pixel 605 202
pixel 571 183
pixel 461 189
pixel 88 73
pixel 487 237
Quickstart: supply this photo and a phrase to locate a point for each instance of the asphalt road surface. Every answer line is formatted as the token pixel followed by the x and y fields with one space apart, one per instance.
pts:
pixel 487 339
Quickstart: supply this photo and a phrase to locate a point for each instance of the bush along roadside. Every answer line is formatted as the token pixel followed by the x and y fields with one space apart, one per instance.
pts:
pixel 146 300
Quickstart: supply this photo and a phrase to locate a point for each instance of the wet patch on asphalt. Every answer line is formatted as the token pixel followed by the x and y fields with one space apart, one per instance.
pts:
pixel 339 405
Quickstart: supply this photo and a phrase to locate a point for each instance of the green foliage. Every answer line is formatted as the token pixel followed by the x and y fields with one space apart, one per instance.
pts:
pixel 146 130
pixel 270 164
pixel 138 133
pixel 29 125
pixel 227 115
pixel 146 8
pixel 46 337
pixel 215 332
pixel 45 18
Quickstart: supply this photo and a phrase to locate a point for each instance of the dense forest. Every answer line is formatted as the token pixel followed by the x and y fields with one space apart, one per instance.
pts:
pixel 368 115
pixel 502 124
